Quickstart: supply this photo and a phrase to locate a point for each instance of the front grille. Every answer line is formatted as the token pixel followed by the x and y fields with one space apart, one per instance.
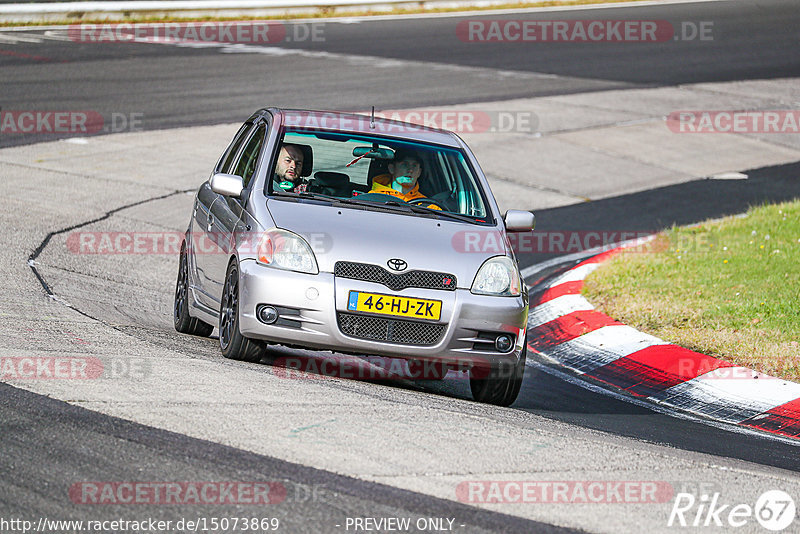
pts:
pixel 397 331
pixel 375 273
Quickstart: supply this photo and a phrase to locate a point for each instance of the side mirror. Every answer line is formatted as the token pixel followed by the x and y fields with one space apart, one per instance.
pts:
pixel 519 221
pixel 229 185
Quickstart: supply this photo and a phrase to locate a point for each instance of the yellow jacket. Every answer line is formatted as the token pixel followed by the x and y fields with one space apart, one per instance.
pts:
pixel 378 187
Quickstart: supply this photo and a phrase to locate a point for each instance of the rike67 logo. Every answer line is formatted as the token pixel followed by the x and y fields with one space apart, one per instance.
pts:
pixel 774 510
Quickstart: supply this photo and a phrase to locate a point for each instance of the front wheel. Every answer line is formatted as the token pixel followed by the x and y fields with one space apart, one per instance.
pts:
pixel 183 322
pixel 500 384
pixel 233 344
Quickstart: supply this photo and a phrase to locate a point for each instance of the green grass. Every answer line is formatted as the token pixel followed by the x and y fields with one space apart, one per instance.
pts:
pixel 729 288
pixel 322 12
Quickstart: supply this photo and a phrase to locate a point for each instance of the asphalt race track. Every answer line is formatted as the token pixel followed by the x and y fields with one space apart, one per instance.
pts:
pixel 391 64
pixel 171 410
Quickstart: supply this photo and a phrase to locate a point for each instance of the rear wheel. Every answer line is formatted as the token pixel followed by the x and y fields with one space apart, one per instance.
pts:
pixel 500 384
pixel 233 344
pixel 185 323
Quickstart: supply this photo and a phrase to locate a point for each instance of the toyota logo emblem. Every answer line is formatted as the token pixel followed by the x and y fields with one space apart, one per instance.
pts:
pixel 396 264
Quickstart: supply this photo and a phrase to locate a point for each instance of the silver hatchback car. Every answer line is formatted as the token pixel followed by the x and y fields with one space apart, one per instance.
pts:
pixel 358 235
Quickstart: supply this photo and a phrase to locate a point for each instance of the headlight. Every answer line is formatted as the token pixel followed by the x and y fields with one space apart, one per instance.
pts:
pixel 497 276
pixel 286 250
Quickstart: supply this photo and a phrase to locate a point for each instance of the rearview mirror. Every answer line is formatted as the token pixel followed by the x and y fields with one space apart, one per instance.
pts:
pixel 228 185
pixel 373 152
pixel 519 221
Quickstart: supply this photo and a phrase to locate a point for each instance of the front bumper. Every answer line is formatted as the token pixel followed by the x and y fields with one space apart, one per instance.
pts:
pixel 309 305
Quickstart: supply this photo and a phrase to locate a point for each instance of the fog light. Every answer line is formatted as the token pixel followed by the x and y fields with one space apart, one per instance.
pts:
pixel 503 343
pixel 267 314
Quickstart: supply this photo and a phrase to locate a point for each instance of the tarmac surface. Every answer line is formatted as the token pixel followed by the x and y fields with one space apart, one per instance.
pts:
pixel 170 408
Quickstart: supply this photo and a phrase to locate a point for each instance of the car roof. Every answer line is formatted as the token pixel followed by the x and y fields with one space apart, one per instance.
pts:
pixel 338 121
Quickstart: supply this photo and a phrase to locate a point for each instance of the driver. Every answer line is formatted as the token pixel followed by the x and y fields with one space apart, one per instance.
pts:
pixel 401 181
pixel 289 168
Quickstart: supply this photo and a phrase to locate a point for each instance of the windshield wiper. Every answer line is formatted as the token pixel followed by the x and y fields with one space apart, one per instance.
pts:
pixel 323 196
pixel 305 194
pixel 422 209
pixel 310 194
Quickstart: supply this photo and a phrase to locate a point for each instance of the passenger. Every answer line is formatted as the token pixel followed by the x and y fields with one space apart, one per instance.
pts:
pixel 401 181
pixel 289 168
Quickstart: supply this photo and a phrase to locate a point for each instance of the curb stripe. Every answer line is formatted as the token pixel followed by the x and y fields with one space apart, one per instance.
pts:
pixel 568 327
pixel 732 400
pixel 557 308
pixel 567 288
pixel 565 327
pixel 654 369
pixel 602 257
pixel 577 273
pixel 783 419
pixel 605 345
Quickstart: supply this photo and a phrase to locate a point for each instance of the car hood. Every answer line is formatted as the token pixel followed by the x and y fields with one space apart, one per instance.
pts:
pixel 338 233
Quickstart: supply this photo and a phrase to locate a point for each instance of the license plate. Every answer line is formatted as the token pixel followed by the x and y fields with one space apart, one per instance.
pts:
pixel 395 306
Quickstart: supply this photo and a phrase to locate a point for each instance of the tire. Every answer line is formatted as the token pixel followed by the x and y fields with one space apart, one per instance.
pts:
pixel 231 341
pixel 500 384
pixel 183 322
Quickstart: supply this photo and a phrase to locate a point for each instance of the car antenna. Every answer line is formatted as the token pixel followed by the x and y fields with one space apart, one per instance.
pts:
pixel 372 118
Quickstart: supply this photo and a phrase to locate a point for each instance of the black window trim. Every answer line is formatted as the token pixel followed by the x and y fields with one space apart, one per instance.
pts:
pixel 242 132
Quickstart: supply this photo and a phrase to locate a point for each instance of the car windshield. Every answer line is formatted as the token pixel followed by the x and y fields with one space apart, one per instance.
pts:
pixel 412 177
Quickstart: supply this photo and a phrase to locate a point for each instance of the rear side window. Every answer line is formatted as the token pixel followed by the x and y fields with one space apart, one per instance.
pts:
pixel 226 162
pixel 246 165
